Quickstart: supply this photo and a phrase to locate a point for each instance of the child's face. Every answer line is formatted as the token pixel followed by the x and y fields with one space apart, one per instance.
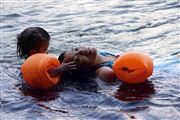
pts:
pixel 43 48
pixel 83 56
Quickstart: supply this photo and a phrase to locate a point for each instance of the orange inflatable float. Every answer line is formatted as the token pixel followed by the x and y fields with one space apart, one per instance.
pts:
pixel 133 67
pixel 34 70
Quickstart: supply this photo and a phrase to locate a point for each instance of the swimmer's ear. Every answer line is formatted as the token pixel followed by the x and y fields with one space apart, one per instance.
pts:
pixel 32 52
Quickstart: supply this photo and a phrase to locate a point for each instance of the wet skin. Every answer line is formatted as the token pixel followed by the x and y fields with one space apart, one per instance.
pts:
pixel 86 58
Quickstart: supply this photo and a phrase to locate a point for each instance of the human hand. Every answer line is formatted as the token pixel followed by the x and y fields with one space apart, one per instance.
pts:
pixel 68 67
pixel 63 68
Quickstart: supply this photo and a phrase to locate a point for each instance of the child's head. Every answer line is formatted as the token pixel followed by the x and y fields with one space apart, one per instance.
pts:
pixel 32 40
pixel 84 57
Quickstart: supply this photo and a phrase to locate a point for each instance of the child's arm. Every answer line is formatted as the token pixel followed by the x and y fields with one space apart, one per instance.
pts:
pixel 106 74
pixel 64 67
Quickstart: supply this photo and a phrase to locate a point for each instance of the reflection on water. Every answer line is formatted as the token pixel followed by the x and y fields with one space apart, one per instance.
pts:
pixel 41 95
pixel 134 92
pixel 150 26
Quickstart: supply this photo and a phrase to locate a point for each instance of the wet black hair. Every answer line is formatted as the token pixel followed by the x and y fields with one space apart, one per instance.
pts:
pixel 61 57
pixel 29 39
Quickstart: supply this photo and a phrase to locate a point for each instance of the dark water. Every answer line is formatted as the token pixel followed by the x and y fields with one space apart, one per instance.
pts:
pixel 151 26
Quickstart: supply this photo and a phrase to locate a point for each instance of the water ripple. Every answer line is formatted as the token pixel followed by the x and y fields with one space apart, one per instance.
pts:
pixel 148 26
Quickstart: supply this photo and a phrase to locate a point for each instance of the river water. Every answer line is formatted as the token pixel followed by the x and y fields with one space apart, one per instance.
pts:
pixel 150 26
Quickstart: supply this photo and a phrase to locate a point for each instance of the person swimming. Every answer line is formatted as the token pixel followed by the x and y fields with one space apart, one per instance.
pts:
pixel 89 60
pixel 34 40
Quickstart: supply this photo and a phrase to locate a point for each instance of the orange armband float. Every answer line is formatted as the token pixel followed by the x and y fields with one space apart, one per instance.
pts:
pixel 133 67
pixel 35 71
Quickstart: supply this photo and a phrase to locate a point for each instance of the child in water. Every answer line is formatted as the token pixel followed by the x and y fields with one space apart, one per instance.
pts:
pixel 36 40
pixel 89 60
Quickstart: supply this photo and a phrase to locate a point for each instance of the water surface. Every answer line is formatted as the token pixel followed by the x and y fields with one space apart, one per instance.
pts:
pixel 150 26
